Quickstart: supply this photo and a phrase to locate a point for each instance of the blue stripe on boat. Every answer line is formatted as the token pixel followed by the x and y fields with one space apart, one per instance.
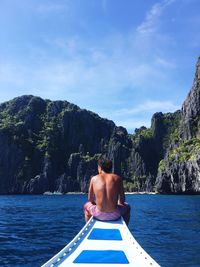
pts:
pixel 102 256
pixel 105 234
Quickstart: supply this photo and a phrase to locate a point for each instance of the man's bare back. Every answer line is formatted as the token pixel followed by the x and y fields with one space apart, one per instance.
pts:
pixel 106 187
pixel 106 199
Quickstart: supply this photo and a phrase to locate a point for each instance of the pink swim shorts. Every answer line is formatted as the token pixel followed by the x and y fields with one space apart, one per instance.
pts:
pixel 92 210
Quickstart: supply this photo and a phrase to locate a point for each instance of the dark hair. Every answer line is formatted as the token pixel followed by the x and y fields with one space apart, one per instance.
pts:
pixel 105 164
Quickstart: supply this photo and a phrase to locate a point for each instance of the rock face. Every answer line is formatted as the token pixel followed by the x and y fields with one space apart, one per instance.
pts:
pixel 179 170
pixel 54 146
pixel 191 108
pixel 182 177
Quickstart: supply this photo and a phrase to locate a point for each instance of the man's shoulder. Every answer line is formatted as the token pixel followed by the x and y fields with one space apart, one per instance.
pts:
pixel 94 177
pixel 115 176
pixel 111 175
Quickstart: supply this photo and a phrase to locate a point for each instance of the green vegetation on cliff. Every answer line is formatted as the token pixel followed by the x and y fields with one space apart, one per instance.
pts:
pixel 186 151
pixel 142 133
pixel 171 123
pixel 130 186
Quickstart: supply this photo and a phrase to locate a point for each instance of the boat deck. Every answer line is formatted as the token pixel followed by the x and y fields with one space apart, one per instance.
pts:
pixel 102 244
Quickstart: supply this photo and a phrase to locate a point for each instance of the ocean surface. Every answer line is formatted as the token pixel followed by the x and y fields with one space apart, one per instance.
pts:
pixel 34 228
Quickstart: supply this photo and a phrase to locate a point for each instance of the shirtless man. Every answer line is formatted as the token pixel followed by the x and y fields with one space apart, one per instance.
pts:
pixel 108 190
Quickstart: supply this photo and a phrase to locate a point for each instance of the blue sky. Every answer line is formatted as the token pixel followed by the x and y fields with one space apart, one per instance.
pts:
pixel 123 59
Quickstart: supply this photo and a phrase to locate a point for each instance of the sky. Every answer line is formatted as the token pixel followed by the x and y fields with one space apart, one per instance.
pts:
pixel 122 59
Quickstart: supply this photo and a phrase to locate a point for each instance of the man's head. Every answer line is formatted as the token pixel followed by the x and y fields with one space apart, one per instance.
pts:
pixel 105 165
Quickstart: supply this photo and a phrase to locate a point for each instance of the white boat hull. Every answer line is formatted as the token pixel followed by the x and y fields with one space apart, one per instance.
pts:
pixel 102 244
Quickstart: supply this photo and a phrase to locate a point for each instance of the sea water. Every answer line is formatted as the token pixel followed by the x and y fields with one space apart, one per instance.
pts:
pixel 34 228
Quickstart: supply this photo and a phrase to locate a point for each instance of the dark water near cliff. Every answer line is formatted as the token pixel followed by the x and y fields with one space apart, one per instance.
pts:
pixel 34 228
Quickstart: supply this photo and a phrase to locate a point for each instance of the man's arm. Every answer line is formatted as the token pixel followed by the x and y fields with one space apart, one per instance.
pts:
pixel 91 192
pixel 121 192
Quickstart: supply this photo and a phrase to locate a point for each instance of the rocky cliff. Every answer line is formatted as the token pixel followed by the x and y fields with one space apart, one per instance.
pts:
pixel 191 109
pixel 54 146
pixel 179 171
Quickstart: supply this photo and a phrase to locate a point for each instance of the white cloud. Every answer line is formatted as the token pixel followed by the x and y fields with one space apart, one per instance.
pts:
pixel 92 74
pixel 140 115
pixel 112 65
pixel 10 73
pixel 149 106
pixel 51 7
pixel 133 123
pixel 151 22
pixel 86 73
pixel 165 63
